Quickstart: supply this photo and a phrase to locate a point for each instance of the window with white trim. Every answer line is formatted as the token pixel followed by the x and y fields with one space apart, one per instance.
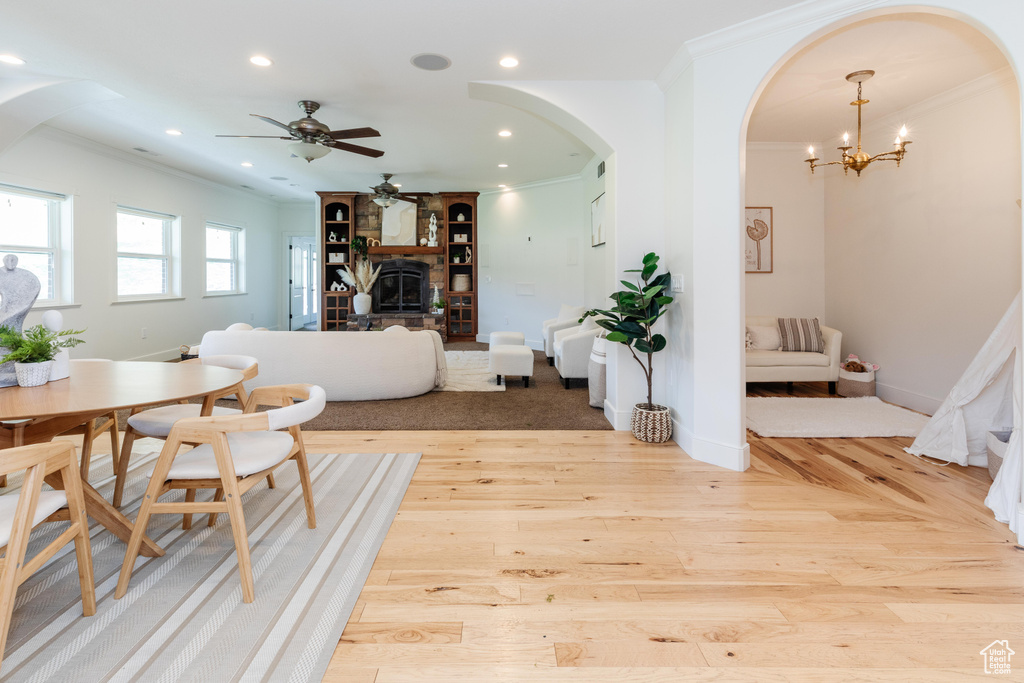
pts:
pixel 225 259
pixel 31 228
pixel 147 254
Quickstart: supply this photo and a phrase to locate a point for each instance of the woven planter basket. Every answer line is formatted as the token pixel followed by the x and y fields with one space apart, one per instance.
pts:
pixel 32 374
pixel 652 426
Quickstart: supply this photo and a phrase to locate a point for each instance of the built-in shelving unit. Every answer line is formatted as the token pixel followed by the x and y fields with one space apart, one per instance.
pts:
pixel 337 227
pixel 461 256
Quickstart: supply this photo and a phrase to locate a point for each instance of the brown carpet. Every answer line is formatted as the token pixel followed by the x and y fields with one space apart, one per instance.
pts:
pixel 546 404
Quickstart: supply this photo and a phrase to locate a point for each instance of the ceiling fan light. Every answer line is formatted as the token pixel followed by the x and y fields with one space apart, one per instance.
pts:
pixel 385 201
pixel 308 150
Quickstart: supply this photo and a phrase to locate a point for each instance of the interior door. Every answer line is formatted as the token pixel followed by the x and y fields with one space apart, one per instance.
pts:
pixel 302 299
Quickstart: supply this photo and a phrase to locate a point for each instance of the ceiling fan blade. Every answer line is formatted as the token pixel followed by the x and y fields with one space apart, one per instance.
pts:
pixel 273 122
pixel 365 151
pixel 417 194
pixel 275 137
pixel 350 133
pixel 411 200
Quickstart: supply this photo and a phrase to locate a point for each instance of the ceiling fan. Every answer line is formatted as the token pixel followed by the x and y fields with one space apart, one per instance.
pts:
pixel 386 194
pixel 314 139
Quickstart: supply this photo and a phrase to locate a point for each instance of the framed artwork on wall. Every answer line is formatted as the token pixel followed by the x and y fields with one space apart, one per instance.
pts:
pixel 757 243
pixel 597 227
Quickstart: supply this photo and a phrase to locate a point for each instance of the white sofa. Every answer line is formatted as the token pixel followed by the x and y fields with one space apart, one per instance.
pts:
pixel 572 350
pixel 568 316
pixel 795 366
pixel 350 366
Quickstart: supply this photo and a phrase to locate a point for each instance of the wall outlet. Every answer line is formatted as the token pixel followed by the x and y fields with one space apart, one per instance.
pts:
pixel 142 333
pixel 677 283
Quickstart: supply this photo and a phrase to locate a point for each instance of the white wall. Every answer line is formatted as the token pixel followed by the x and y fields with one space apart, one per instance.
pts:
pixel 777 177
pixel 923 260
pixel 598 262
pixel 98 179
pixel 531 241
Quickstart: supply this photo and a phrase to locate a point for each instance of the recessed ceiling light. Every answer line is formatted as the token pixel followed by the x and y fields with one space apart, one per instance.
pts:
pixel 509 62
pixel 429 61
pixel 502 165
pixel 260 60
pixel 11 59
pixel 278 177
pixel 173 131
pixel 247 164
pixel 505 133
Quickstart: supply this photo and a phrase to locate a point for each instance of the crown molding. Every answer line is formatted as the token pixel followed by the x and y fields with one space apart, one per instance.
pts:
pixel 536 183
pixel 993 80
pixel 780 146
pixel 819 12
pixel 55 135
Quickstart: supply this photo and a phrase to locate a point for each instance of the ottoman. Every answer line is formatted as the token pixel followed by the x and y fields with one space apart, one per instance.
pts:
pixel 507 338
pixel 511 360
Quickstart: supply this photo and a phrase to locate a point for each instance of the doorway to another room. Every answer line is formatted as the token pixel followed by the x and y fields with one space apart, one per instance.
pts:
pixel 303 311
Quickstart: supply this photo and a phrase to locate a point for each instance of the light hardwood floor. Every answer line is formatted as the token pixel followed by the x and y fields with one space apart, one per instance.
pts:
pixel 588 556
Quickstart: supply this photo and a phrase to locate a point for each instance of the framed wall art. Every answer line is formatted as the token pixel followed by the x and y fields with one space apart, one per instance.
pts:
pixel 597 227
pixel 757 242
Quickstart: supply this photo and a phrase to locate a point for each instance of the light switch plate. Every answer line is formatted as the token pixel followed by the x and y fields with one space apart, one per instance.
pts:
pixel 677 283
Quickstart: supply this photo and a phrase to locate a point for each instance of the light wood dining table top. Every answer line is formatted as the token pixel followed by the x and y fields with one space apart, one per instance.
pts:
pixel 97 388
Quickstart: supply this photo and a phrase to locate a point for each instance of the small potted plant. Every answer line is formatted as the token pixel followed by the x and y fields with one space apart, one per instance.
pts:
pixel 630 322
pixel 439 305
pixel 360 246
pixel 34 350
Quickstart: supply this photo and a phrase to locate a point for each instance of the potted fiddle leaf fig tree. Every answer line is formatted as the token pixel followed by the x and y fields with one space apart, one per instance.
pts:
pixel 631 322
pixel 33 351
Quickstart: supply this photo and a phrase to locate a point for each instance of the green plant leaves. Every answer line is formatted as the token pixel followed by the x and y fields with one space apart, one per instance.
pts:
pixel 37 344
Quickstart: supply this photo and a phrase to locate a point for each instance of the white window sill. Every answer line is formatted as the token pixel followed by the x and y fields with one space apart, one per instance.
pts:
pixel 213 295
pixel 151 300
pixel 38 306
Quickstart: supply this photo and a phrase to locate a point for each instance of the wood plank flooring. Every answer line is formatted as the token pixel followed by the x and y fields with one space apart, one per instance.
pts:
pixel 588 556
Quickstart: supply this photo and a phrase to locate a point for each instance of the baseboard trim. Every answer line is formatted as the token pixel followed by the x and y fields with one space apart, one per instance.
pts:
pixel 619 419
pixel 159 356
pixel 907 399
pixel 711 452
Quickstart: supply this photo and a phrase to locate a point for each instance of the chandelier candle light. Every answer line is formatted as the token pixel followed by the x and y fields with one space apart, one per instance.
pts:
pixel 861 159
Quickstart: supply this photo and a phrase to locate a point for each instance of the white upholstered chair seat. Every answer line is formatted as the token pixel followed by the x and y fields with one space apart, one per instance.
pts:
pixel 157 422
pixel 49 502
pixel 768 359
pixel 251 452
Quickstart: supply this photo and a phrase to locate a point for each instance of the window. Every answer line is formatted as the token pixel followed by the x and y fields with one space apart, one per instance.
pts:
pixel 147 248
pixel 31 227
pixel 225 272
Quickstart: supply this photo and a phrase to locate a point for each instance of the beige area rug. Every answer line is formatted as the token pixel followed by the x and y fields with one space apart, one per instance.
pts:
pixel 831 418
pixel 467 371
pixel 183 618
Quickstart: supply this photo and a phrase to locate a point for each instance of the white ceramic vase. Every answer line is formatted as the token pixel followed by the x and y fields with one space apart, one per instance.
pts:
pixel 361 303
pixel 33 374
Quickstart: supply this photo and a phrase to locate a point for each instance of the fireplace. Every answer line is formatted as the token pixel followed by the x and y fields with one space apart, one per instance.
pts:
pixel 403 286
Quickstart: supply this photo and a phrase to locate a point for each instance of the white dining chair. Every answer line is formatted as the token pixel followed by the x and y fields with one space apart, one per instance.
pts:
pixel 30 506
pixel 235 453
pixel 157 422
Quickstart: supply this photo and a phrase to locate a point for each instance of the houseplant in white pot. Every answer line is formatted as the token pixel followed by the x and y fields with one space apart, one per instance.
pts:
pixel 33 351
pixel 361 279
pixel 630 322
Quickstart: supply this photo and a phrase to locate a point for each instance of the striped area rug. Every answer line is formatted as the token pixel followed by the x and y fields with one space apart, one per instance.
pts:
pixel 183 618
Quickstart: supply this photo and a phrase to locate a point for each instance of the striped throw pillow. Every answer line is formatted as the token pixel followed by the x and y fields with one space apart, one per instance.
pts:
pixel 801 334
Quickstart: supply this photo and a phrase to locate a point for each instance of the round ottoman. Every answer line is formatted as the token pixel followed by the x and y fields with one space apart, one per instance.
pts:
pixel 511 360
pixel 507 338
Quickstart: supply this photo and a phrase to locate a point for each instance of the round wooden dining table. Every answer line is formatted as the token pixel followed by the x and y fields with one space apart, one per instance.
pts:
pixel 37 414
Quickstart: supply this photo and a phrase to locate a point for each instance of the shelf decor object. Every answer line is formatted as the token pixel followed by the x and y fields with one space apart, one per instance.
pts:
pixel 860 159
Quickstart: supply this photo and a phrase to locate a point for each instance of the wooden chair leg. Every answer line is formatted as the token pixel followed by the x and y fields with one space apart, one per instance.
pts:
pixel 156 483
pixel 83 551
pixel 122 465
pixel 86 454
pixel 218 496
pixel 186 519
pixel 241 536
pixel 16 547
pixel 115 450
pixel 271 483
pixel 307 487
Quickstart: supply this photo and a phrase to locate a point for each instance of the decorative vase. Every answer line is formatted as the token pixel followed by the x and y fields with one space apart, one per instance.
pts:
pixel 460 217
pixel 33 374
pixel 361 303
pixel 653 425
pixel 339 215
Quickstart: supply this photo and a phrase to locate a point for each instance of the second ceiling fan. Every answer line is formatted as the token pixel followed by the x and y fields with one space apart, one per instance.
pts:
pixel 385 194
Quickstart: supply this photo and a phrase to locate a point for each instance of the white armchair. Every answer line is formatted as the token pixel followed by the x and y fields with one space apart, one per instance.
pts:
pixel 572 350
pixel 567 317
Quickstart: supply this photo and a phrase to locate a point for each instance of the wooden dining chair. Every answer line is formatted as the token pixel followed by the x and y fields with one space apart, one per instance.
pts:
pixel 31 506
pixel 93 429
pixel 157 422
pixel 235 453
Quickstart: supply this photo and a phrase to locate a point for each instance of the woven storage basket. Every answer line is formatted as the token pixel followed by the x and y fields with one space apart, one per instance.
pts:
pixel 853 384
pixel 652 426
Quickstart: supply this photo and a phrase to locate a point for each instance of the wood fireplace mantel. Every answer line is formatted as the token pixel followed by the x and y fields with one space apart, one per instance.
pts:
pixel 404 250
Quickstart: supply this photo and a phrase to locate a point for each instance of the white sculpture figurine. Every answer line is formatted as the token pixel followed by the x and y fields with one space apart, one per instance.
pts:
pixel 469 254
pixel 339 286
pixel 432 242
pixel 333 237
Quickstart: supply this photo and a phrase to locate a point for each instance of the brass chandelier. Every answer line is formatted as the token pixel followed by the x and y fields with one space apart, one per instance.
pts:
pixel 860 160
